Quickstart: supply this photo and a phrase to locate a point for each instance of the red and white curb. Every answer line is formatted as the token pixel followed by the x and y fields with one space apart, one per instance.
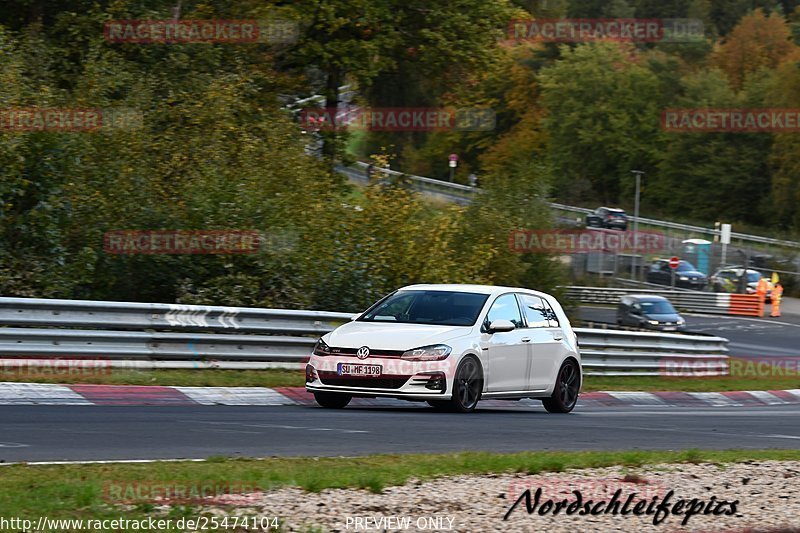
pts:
pixel 51 394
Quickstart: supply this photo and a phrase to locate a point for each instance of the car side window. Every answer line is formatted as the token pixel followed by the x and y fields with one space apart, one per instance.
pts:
pixel 535 311
pixel 505 308
pixel 551 315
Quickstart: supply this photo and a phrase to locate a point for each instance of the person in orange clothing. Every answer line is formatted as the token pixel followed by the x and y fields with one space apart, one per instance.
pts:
pixel 777 292
pixel 761 290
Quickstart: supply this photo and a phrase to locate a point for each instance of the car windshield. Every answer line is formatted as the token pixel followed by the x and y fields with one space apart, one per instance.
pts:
pixel 448 308
pixel 657 307
pixel 686 266
pixel 753 277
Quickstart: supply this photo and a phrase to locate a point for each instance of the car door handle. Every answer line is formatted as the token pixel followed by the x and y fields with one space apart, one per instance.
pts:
pixel 526 339
pixel 558 336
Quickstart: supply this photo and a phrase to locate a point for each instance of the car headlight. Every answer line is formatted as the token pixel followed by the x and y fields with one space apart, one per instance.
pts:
pixel 684 278
pixel 435 352
pixel 653 322
pixel 681 322
pixel 321 348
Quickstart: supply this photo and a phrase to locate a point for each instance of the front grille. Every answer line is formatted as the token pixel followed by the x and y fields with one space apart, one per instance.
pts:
pixel 386 382
pixel 387 354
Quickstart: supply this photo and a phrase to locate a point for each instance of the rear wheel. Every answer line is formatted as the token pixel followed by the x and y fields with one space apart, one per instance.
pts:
pixel 332 400
pixel 467 386
pixel 565 393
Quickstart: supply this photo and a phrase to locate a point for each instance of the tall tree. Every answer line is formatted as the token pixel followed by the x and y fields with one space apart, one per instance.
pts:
pixel 758 41
pixel 601 107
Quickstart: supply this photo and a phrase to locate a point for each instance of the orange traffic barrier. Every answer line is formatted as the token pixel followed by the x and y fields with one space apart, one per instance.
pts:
pixel 746 304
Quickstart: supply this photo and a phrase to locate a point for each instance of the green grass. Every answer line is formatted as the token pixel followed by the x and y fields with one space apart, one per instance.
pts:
pixel 80 491
pixel 296 378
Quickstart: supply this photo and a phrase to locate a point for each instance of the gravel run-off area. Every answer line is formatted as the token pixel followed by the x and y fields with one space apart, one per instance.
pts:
pixel 766 496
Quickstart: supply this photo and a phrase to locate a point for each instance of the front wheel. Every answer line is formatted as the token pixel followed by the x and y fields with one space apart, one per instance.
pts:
pixel 332 400
pixel 467 386
pixel 565 393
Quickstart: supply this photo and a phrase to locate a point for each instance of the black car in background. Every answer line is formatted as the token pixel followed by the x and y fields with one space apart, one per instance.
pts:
pixel 686 275
pixel 607 217
pixel 651 312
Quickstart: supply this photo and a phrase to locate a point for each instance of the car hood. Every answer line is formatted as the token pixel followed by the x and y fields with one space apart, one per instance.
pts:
pixel 666 317
pixel 392 335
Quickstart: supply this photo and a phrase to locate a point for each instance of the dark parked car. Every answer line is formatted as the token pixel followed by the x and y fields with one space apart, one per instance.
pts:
pixel 686 275
pixel 652 312
pixel 607 217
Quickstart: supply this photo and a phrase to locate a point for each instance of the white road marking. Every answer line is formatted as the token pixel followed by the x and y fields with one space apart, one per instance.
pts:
pixel 781 436
pixel 108 462
pixel 766 397
pixel 235 396
pixel 13 445
pixel 638 398
pixel 715 398
pixel 283 426
pixel 12 393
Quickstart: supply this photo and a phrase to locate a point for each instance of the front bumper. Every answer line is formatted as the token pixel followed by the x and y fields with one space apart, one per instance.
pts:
pixel 413 380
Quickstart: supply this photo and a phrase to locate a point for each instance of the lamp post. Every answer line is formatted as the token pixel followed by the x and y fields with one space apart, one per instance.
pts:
pixel 638 174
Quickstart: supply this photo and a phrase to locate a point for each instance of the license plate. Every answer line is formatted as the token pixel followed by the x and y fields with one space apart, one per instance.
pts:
pixel 345 369
pixel 669 328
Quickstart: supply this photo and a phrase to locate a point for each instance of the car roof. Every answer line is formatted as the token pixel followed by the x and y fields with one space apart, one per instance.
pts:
pixel 617 209
pixel 749 270
pixel 479 289
pixel 646 297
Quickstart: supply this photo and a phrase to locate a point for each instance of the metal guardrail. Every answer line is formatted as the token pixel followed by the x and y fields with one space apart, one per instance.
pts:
pixel 463 194
pixel 142 335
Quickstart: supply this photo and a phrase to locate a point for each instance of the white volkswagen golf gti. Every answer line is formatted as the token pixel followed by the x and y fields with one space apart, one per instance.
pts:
pixel 451 346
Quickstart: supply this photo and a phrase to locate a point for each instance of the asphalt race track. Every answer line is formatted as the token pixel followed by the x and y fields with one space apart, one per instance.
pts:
pixel 750 337
pixel 53 433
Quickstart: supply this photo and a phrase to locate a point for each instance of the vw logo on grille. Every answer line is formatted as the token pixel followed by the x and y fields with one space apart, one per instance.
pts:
pixel 362 352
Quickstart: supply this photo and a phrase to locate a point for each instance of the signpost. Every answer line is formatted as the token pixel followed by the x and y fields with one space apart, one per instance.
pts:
pixel 674 263
pixel 725 239
pixel 453 164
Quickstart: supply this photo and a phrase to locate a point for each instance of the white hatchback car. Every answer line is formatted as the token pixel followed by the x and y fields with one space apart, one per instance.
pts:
pixel 451 345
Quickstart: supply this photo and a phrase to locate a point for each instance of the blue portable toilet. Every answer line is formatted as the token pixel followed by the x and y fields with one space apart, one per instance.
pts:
pixel 697 252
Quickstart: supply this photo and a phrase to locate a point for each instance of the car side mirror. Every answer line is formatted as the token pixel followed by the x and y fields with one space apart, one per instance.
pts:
pixel 501 326
pixel 636 312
